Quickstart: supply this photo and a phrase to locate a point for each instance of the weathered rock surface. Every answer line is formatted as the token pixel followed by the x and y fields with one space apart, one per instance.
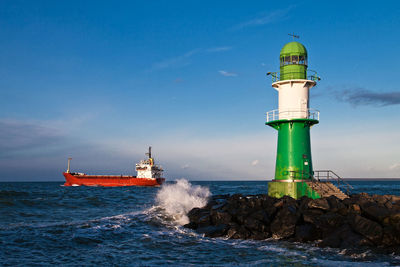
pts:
pixel 359 221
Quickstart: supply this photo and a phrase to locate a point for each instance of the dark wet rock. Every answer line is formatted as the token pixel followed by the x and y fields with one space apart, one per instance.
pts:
pixel 395 207
pixel 238 232
pixel 391 236
pixel 381 199
pixel 270 210
pixel 303 203
pixel 252 224
pixel 261 216
pixel 306 232
pixel 332 241
pixel 310 216
pixel 217 231
pixel 370 229
pixel 259 235
pixel 319 203
pixel 335 203
pixel 284 224
pixel 354 208
pixel 220 217
pixel 233 229
pixel 395 199
pixel 394 218
pixel 195 214
pixel 376 212
pixel 389 205
pixel 218 206
pixel 344 237
pixel 359 221
pixel 328 222
pixel 191 225
pixel 214 230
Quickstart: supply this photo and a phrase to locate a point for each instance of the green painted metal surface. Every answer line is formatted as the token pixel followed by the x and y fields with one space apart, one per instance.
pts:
pixel 293 159
pixel 293 61
pixel 292 72
pixel 293 48
pixel 295 190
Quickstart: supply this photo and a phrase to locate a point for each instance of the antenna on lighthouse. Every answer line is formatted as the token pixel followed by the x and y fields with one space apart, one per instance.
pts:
pixel 294 36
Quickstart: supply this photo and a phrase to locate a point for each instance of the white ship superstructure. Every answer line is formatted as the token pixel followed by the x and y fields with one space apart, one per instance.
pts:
pixel 148 169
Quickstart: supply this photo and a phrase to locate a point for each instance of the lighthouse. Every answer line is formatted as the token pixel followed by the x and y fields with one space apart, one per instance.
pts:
pixel 293 120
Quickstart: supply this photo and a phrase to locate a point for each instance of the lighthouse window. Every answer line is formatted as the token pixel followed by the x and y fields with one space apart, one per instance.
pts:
pixel 295 59
pixel 287 60
pixel 302 60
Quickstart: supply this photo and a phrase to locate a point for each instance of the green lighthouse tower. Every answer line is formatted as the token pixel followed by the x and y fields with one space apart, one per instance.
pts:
pixel 293 120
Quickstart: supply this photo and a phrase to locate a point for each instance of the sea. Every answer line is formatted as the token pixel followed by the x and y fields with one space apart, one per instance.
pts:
pixel 47 224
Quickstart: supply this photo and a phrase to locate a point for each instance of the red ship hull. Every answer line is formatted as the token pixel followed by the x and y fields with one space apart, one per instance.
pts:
pixel 74 179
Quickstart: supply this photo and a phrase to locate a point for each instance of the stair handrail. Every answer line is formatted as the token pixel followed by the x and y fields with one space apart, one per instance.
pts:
pixel 329 177
pixel 304 175
pixel 304 178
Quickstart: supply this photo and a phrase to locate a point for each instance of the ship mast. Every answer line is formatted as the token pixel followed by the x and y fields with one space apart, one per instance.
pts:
pixel 149 153
pixel 150 158
pixel 69 162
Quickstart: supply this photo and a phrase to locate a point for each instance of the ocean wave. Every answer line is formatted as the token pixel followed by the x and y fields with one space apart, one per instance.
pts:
pixel 126 217
pixel 12 193
pixel 176 200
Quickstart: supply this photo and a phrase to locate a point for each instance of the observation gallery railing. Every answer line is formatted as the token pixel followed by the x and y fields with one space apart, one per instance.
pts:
pixel 309 113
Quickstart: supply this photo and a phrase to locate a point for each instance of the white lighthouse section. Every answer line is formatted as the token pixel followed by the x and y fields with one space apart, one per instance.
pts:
pixel 293 99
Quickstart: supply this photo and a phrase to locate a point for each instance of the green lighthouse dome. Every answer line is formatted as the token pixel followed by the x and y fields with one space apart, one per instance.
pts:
pixel 293 61
pixel 293 48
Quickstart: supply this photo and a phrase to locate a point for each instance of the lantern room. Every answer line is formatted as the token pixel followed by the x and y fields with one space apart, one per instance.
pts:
pixel 293 61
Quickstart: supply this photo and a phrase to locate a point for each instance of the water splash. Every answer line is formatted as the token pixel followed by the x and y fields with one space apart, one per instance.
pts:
pixel 179 198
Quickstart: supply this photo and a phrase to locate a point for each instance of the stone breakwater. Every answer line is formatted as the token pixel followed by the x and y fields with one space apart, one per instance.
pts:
pixel 359 221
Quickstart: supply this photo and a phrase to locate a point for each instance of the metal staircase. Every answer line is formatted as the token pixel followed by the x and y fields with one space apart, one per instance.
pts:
pixel 322 184
pixel 326 189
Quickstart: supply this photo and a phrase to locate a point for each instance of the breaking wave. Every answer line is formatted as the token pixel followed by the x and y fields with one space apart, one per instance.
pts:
pixel 179 198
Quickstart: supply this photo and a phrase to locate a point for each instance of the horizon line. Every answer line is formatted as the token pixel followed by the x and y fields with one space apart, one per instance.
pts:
pixel 244 180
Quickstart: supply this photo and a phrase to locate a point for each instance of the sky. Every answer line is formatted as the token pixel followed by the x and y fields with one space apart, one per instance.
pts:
pixel 100 81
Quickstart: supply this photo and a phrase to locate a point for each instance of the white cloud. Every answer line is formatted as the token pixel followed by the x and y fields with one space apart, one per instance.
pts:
pixel 358 151
pixel 273 16
pixel 186 166
pixel 20 136
pixel 197 157
pixel 395 166
pixel 255 162
pixel 219 49
pixel 355 151
pixel 227 74
pixel 183 60
pixel 177 61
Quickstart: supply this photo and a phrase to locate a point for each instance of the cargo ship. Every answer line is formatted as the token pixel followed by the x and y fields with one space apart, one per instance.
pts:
pixel 148 174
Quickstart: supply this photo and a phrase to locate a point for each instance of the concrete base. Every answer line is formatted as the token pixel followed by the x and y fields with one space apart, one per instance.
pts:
pixel 294 189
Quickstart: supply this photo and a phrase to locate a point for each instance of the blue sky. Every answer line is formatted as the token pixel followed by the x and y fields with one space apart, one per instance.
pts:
pixel 102 80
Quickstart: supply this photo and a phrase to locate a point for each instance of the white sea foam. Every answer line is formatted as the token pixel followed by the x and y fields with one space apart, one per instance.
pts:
pixel 179 198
